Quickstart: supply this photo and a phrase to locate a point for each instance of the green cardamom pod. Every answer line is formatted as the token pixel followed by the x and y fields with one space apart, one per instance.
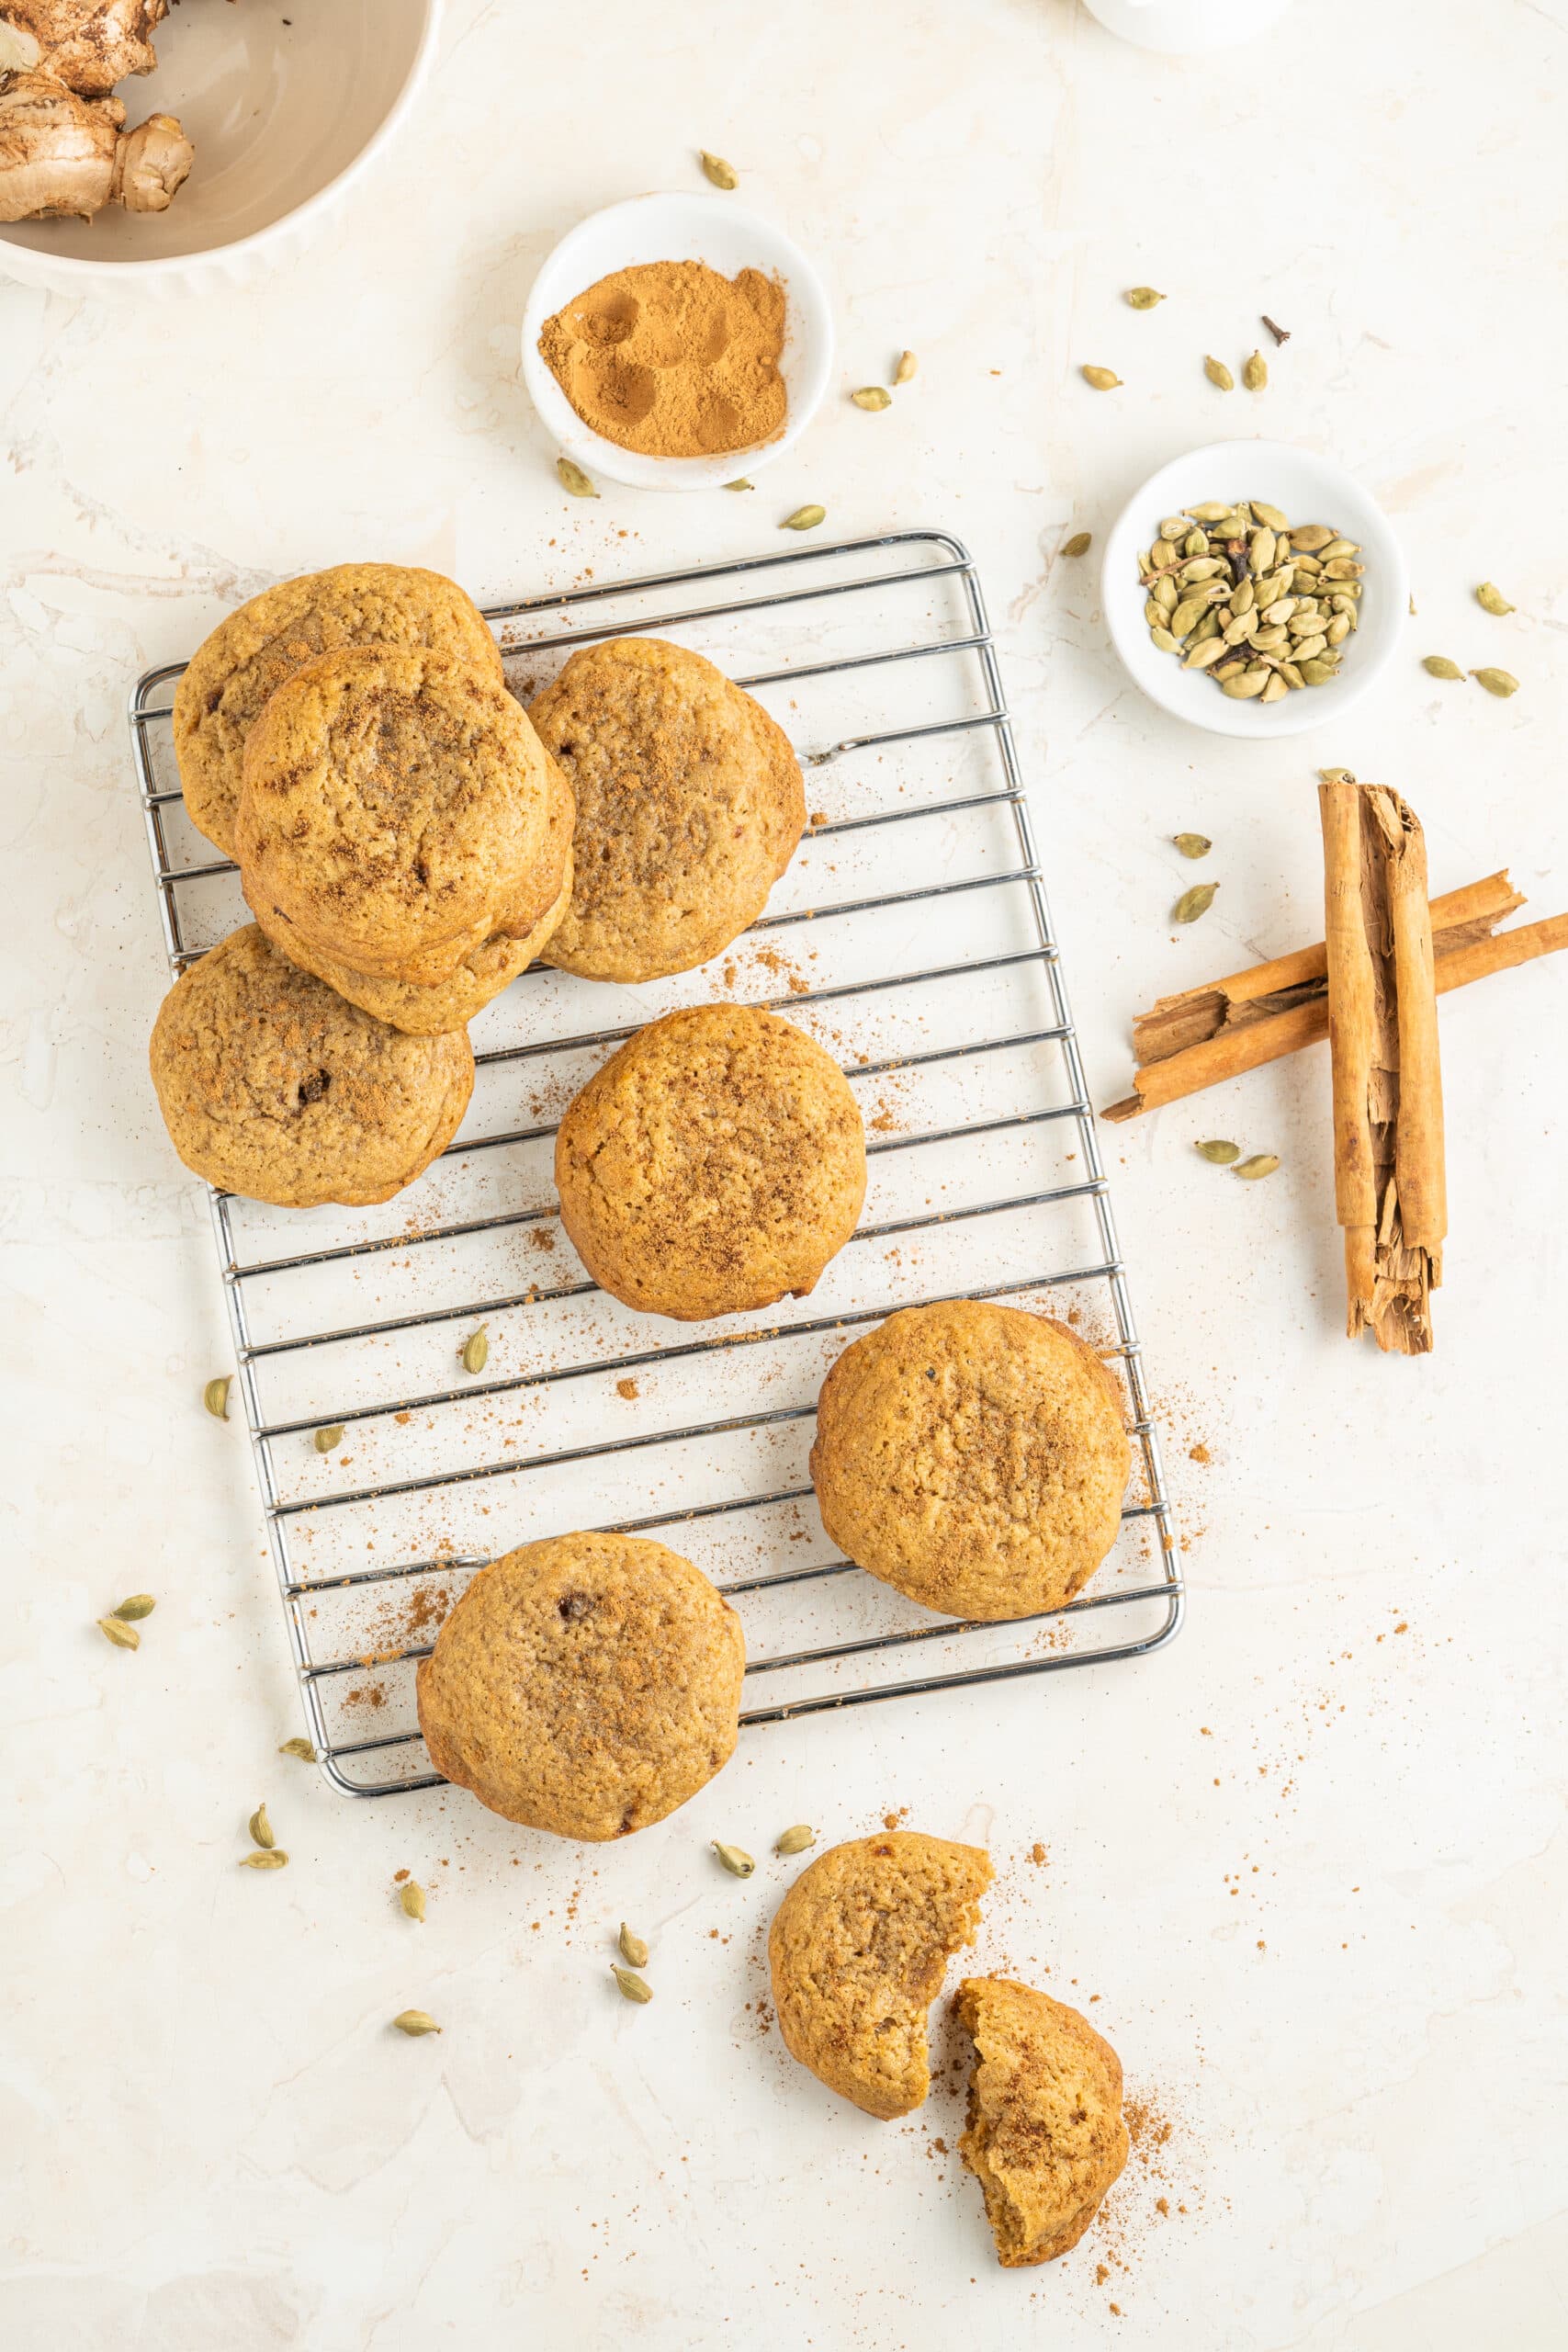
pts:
pixel 1194 902
pixel 324 1440
pixel 906 369
pixel 795 1840
pixel 1336 775
pixel 632 1986
pixel 261 1827
pixel 1219 374
pixel 215 1397
pixel 1497 682
pixel 1221 1153
pixel 740 482
pixel 1245 684
pixel 1492 599
pixel 1311 536
pixel 1104 379
pixel 632 1949
pixel 735 1860
pixel 303 1748
pixel 1275 690
pixel 1187 615
pixel 1269 514
pixel 1318 670
pixel 1255 375
pixel 123 1636
pixel 414 2022
pixel 265 1858
pixel 412 1898
pixel 140 1605
pixel 1437 665
pixel 1144 298
pixel 1260 551
pixel 1192 844
pixel 1206 650
pixel 1079 544
pixel 474 1354
pixel 1165 642
pixel 715 169
pixel 1214 512
pixel 573 479
pixel 1262 1163
pixel 805 518
pixel 872 396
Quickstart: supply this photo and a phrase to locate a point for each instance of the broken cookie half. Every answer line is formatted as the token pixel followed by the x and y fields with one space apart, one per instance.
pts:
pixel 1044 2137
pixel 858 1950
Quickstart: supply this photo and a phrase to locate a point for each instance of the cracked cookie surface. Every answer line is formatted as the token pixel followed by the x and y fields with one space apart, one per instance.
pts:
pixel 254 649
pixel 716 1163
pixel 272 1086
pixel 586 1684
pixel 1045 2135
pixel 974 1456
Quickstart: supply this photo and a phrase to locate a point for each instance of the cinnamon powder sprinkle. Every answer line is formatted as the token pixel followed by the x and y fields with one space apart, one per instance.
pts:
pixel 672 359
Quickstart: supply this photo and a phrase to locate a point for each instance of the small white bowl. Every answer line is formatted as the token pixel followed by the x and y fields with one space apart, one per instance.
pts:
pixel 713 229
pixel 1188 27
pixel 1307 488
pixel 284 117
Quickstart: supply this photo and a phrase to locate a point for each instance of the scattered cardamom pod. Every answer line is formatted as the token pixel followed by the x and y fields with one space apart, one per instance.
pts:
pixel 715 169
pixel 123 1636
pixel 1492 599
pixel 795 1840
pixel 1192 844
pixel 1336 775
pixel 474 1354
pixel 872 396
pixel 1104 379
pixel 1219 374
pixel 1222 1154
pixel 414 2022
pixel 1255 375
pixel 260 1828
pixel 805 518
pixel 740 483
pixel 632 1986
pixel 573 479
pixel 632 1949
pixel 324 1440
pixel 131 1612
pixel 735 1860
pixel 1437 665
pixel 303 1748
pixel 1497 682
pixel 215 1397
pixel 1079 544
pixel 265 1858
pixel 1194 902
pixel 412 1898
pixel 907 364
pixel 1262 1163
pixel 1143 298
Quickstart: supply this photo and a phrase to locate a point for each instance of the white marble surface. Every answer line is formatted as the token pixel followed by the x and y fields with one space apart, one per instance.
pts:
pixel 1311 1859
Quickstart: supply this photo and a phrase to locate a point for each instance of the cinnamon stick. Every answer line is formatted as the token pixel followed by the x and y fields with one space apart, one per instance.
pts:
pixel 1231 1045
pixel 1383 1033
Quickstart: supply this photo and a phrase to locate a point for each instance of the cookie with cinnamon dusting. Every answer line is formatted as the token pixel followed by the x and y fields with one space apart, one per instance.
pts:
pixel 1044 2137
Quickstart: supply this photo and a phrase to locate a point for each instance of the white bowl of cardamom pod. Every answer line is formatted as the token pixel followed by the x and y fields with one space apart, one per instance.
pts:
pixel 1254 589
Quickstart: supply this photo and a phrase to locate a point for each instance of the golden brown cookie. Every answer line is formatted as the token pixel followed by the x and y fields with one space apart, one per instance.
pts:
pixel 395 808
pixel 484 971
pixel 256 649
pixel 974 1456
pixel 858 1950
pixel 689 807
pixel 270 1085
pixel 715 1164
pixel 587 1685
pixel 1045 2137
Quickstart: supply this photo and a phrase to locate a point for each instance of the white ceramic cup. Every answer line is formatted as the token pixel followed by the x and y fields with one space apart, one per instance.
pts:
pixel 713 229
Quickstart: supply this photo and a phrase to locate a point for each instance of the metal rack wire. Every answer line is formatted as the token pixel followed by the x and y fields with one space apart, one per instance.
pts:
pixel 939 984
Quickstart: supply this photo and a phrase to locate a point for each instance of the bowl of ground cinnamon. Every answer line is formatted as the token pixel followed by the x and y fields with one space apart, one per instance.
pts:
pixel 676 342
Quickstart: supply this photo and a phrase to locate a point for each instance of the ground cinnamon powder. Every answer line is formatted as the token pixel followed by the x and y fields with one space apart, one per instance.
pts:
pixel 673 360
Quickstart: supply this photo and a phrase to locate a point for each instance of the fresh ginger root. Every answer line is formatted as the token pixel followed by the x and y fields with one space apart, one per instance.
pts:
pixel 64 154
pixel 88 44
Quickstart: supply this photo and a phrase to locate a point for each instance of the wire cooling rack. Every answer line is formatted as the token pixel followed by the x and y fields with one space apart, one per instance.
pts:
pixel 911 937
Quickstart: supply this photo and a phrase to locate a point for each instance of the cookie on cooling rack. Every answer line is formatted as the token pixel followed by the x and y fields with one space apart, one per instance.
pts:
pixel 974 1456
pixel 586 1685
pixel 272 1086
pixel 484 971
pixel 1044 2137
pixel 689 808
pixel 858 1950
pixel 394 810
pixel 716 1162
pixel 251 654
